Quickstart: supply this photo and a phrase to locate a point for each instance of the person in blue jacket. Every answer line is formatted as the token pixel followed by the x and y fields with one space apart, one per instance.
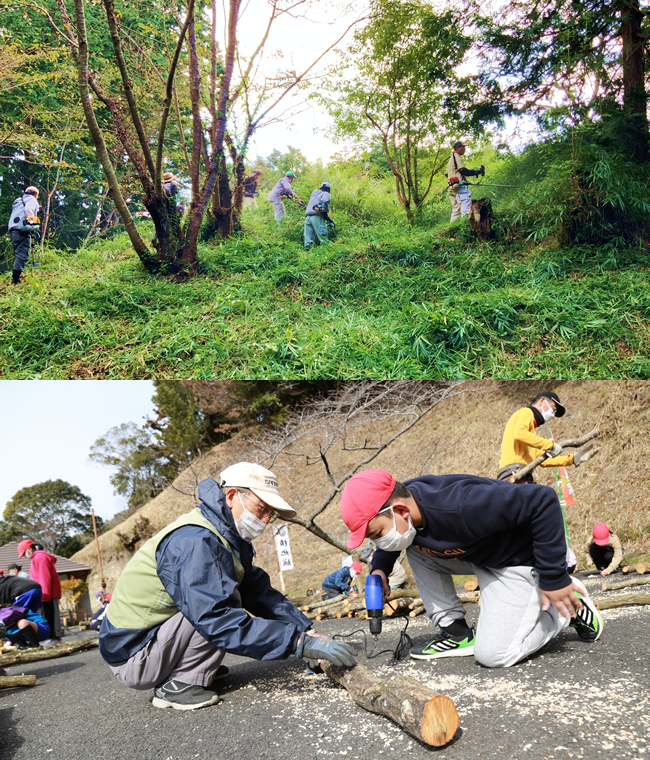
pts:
pixel 510 536
pixel 340 581
pixel 184 599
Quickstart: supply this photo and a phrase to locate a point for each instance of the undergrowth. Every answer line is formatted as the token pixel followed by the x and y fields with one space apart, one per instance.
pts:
pixel 382 300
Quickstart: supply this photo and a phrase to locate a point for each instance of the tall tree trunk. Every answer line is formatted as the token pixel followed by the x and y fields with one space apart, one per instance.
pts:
pixel 149 261
pixel 635 98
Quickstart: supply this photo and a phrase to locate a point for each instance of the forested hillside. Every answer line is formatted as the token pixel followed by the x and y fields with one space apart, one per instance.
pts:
pixel 462 434
pixel 144 276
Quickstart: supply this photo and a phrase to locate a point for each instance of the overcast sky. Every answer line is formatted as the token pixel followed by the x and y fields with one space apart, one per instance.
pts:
pixel 49 426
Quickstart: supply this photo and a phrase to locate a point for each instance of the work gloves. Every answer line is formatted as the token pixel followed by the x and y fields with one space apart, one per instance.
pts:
pixel 555 451
pixel 584 455
pixel 314 648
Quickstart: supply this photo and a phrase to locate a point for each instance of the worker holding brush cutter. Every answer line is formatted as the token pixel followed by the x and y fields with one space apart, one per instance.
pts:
pixel 282 189
pixel 521 445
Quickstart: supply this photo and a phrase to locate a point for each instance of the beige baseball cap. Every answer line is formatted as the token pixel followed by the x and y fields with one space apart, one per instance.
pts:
pixel 262 483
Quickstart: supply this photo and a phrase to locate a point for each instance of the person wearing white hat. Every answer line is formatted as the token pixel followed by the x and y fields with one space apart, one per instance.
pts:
pixel 191 594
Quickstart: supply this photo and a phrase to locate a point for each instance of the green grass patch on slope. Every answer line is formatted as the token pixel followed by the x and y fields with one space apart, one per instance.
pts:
pixel 382 300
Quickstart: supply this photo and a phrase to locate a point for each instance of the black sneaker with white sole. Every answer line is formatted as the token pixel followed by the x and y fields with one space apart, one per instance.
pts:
pixel 183 696
pixel 588 621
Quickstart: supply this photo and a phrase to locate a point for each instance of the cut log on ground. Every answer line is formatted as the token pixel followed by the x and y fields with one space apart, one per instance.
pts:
pixel 627 569
pixel 642 568
pixel 397 605
pixel 572 443
pixel 47 653
pixel 624 600
pixel 471 584
pixel 470 598
pixel 331 610
pixel 355 606
pixel 416 611
pixel 625 584
pixel 322 603
pixel 430 717
pixel 416 603
pixel 9 682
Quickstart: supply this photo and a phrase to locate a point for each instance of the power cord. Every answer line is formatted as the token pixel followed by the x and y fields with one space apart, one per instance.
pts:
pixel 400 652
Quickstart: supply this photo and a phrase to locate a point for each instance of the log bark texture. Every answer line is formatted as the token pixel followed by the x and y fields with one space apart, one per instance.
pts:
pixel 624 600
pixel 9 682
pixel 49 653
pixel 571 443
pixel 430 717
pixel 416 611
pixel 625 584
pixel 323 603
pixel 397 593
pixel 397 605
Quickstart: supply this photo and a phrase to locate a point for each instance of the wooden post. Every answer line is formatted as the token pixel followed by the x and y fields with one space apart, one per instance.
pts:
pixel 99 556
pixel 432 718
pixel 282 588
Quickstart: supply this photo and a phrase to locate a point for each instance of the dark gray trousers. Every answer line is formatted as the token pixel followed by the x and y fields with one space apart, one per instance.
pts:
pixel 22 243
pixel 176 651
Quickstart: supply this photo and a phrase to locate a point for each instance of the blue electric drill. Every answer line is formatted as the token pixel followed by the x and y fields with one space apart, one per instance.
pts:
pixel 375 603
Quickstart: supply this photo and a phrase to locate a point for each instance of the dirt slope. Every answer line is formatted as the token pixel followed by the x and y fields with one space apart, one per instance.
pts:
pixel 462 435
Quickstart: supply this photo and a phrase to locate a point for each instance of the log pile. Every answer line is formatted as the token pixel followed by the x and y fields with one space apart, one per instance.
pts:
pixel 432 718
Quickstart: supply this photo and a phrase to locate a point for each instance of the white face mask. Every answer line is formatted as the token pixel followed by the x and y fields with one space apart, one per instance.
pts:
pixel 248 526
pixel 548 412
pixel 394 541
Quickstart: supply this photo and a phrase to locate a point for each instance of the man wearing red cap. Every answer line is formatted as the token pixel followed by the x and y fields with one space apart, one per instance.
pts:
pixel 511 538
pixel 604 550
pixel 520 444
pixel 43 571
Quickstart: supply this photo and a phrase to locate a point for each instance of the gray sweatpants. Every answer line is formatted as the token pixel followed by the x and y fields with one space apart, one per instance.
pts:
pixel 511 622
pixel 176 651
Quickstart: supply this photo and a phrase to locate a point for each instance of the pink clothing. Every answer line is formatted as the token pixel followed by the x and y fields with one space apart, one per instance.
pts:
pixel 43 572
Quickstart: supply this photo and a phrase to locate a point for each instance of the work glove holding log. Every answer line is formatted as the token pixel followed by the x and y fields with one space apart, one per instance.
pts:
pixel 314 648
pixel 584 455
pixel 554 451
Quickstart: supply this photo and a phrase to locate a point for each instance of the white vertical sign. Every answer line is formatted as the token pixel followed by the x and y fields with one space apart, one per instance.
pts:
pixel 283 548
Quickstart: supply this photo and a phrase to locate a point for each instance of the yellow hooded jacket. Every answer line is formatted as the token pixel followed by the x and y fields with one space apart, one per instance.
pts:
pixel 520 444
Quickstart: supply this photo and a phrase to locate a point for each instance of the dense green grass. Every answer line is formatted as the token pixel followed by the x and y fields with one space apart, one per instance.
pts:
pixel 383 300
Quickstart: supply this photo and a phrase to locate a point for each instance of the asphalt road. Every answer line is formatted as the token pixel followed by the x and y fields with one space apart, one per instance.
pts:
pixel 572 700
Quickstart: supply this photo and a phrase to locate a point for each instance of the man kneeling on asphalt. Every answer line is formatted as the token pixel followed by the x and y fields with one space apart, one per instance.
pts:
pixel 184 599
pixel 510 536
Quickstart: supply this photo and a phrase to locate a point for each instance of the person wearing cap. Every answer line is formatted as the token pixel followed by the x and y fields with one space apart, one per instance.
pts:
pixel 282 189
pixel 42 570
pixel 457 174
pixel 16 570
pixel 22 222
pixel 317 216
pixel 521 445
pixel 191 593
pixel 340 581
pixel 511 538
pixel 604 550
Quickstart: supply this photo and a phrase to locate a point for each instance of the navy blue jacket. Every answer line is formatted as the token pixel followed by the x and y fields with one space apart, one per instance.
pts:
pixel 198 572
pixel 489 523
pixel 339 579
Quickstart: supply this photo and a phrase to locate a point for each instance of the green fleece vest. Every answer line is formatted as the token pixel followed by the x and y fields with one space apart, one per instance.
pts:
pixel 140 599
